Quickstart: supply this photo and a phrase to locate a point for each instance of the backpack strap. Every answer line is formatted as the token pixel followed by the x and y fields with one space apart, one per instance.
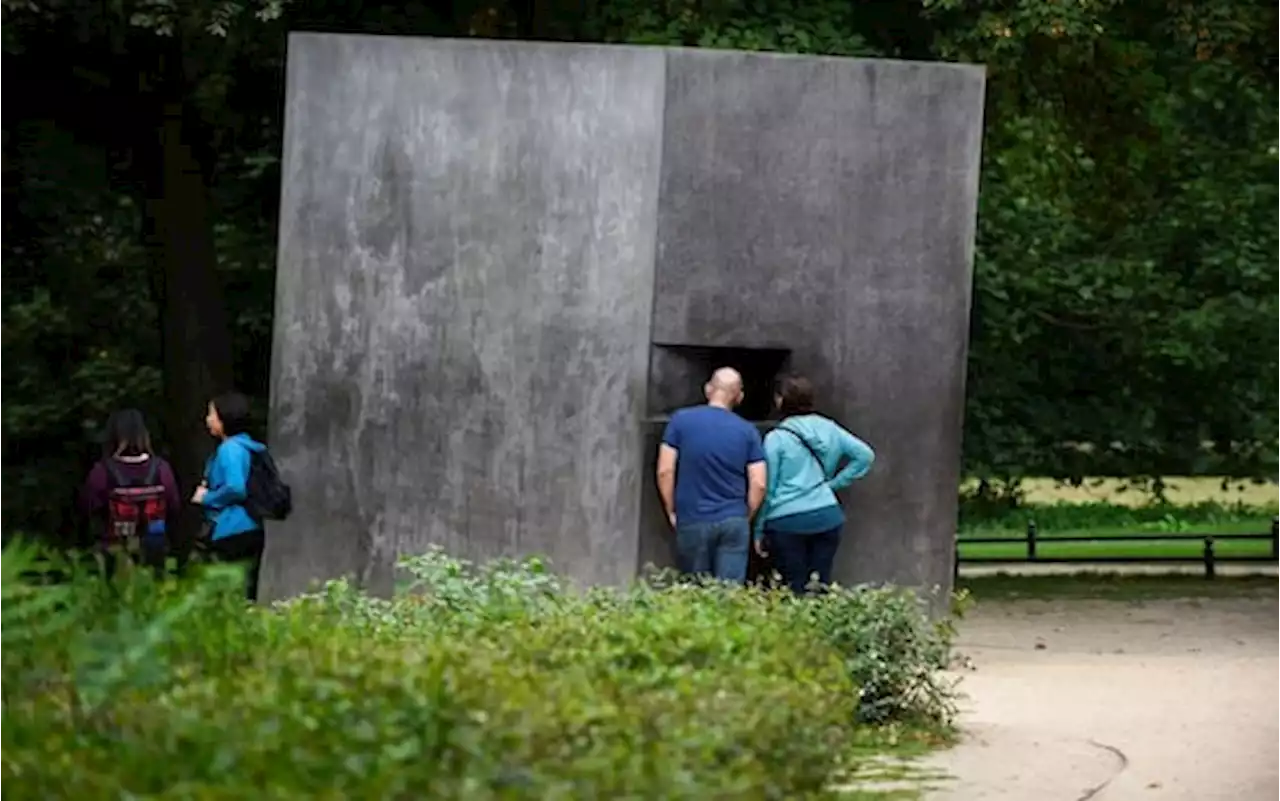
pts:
pixel 117 479
pixel 153 468
pixel 114 477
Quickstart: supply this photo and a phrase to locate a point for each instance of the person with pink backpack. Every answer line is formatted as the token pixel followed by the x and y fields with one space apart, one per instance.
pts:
pixel 131 496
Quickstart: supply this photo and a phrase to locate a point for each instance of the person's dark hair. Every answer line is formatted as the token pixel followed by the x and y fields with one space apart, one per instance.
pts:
pixel 233 411
pixel 796 393
pixel 126 434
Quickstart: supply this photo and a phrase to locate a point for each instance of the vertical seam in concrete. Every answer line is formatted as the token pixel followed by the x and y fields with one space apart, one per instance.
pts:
pixel 641 424
pixel 657 226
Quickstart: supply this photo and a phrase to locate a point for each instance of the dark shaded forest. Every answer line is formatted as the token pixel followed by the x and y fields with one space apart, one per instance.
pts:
pixel 1125 279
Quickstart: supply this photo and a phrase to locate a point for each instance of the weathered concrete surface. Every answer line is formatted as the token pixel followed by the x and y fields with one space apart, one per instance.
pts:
pixel 1171 700
pixel 480 242
pixel 463 303
pixel 827 206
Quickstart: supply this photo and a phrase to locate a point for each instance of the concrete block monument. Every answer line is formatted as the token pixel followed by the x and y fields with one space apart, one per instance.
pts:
pixel 503 263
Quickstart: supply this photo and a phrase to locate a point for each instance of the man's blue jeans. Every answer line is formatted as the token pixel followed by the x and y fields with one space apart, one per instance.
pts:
pixel 718 549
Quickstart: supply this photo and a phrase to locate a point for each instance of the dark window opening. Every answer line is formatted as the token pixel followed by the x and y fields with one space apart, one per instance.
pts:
pixel 677 374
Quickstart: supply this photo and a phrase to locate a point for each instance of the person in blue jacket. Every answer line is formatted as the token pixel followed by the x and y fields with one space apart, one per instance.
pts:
pixel 234 535
pixel 800 523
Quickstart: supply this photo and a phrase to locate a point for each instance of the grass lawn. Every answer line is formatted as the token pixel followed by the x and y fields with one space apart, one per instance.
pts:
pixel 1106 543
pixel 1104 511
pixel 1108 587
pixel 886 766
pixel 1180 491
pixel 1258 525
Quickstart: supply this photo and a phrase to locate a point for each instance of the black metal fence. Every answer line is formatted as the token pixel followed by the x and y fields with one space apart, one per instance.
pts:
pixel 1208 554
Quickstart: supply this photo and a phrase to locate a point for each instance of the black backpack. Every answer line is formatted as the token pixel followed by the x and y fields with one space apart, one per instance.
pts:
pixel 269 498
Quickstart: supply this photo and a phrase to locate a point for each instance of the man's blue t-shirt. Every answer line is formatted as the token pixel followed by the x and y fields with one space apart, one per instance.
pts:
pixel 715 447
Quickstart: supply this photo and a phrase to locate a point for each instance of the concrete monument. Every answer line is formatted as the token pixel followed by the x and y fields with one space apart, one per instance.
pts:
pixel 503 263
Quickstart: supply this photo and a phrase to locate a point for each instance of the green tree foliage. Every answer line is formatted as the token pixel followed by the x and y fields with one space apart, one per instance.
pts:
pixel 1125 280
pixel 125 120
pixel 141 174
pixel 821 26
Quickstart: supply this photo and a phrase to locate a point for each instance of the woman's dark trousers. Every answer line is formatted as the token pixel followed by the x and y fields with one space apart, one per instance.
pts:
pixel 799 557
pixel 242 549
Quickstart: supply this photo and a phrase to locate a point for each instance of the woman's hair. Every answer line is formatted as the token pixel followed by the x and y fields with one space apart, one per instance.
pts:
pixel 126 434
pixel 233 411
pixel 796 393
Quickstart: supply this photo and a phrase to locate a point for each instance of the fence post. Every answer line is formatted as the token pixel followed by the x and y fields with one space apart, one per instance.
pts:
pixel 1209 566
pixel 1275 538
pixel 1031 540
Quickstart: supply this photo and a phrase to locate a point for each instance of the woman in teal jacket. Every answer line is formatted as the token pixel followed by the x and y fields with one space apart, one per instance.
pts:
pixel 234 535
pixel 801 520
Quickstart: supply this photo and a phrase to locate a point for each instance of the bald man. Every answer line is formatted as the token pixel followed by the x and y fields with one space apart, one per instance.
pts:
pixel 711 476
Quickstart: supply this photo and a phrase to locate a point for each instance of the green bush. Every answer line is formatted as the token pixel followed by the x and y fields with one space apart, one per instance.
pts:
pixel 892 652
pixel 490 682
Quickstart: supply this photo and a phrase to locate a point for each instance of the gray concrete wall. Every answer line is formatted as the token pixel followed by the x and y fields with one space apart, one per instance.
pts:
pixel 463 303
pixel 827 205
pixel 480 242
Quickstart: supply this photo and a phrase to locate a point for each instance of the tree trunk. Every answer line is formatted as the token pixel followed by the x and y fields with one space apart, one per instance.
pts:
pixel 196 341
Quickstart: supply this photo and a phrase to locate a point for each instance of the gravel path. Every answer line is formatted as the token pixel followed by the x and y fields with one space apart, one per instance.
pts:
pixel 1114 701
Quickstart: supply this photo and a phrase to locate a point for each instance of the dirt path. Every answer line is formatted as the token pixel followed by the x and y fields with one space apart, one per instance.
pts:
pixel 1115 701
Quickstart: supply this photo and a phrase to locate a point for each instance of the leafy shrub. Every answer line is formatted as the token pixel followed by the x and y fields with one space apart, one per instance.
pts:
pixel 892 651
pixel 473 682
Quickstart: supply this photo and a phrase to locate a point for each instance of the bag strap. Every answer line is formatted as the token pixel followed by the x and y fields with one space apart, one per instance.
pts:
pixel 115 478
pixel 822 468
pixel 153 467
